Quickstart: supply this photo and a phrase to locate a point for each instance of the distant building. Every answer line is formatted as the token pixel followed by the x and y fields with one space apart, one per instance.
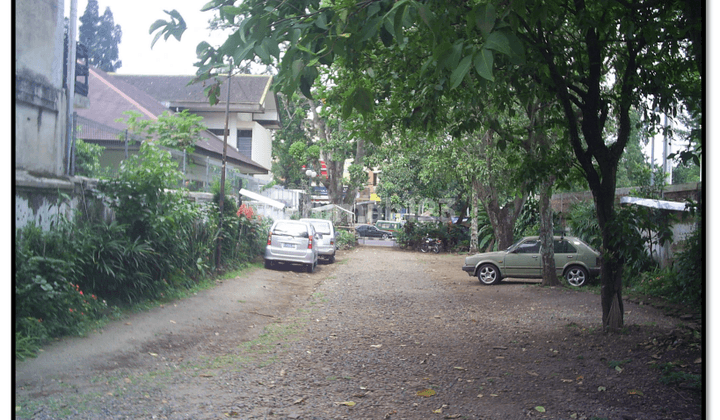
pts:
pixel 253 109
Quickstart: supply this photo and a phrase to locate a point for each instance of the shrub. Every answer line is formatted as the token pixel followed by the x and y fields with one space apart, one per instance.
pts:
pixel 48 300
pixel 345 239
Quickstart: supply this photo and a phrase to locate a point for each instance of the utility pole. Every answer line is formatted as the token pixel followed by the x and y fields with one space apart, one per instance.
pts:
pixel 70 81
pixel 221 201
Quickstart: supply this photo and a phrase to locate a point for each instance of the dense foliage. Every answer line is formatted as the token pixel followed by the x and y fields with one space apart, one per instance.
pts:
pixel 70 277
pixel 101 36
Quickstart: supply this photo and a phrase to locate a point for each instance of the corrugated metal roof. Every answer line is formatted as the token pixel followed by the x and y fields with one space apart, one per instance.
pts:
pixel 656 204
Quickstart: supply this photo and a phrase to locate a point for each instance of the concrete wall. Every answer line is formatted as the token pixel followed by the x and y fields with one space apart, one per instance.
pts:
pixel 40 101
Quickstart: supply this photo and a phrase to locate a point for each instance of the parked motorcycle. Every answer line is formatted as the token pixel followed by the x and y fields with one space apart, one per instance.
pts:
pixel 431 244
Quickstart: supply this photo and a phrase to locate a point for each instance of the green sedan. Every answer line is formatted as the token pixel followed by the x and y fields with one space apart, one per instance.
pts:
pixel 574 260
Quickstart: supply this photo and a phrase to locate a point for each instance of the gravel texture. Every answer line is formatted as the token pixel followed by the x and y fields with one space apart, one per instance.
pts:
pixel 380 334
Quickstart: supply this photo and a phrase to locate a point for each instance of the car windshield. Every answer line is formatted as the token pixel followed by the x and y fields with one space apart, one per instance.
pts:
pixel 290 229
pixel 514 245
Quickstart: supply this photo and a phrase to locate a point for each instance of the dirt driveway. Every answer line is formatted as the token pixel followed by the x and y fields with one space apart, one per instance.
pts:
pixel 379 334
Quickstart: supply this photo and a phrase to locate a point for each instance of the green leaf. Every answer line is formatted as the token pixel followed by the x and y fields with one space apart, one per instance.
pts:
pixel 486 18
pixel 517 49
pixel 460 72
pixel 453 59
pixel 426 14
pixel 363 100
pixel 242 53
pixel 484 64
pixel 297 67
pixel 157 24
pixel 499 42
pixel 385 36
pixel 232 10
pixel 540 409
pixel 321 21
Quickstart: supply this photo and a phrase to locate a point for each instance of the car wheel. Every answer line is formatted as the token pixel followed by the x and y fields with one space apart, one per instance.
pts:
pixel 488 274
pixel 384 237
pixel 311 267
pixel 576 276
pixel 332 259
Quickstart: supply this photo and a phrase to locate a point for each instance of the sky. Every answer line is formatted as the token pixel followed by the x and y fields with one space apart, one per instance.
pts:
pixel 169 57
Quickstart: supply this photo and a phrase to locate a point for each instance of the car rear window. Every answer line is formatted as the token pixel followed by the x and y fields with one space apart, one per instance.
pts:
pixel 321 227
pixel 290 229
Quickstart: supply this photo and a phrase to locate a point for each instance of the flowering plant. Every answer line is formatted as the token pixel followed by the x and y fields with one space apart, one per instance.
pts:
pixel 247 211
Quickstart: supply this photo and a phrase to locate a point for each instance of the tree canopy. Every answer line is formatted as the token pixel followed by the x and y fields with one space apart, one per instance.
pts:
pixel 101 36
pixel 594 62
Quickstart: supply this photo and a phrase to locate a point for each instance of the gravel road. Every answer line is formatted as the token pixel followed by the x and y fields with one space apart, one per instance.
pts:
pixel 380 334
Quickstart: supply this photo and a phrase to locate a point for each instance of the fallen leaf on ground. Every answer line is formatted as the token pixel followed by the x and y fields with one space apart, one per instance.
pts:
pixel 377 346
pixel 347 403
pixel 602 388
pixel 426 393
pixel 453 416
pixel 153 354
pixel 438 411
pixel 635 392
pixel 567 380
pixel 459 368
pixel 299 401
pixel 540 409
pixel 532 373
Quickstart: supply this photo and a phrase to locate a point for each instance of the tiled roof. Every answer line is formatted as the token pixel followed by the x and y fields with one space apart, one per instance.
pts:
pixel 246 89
pixel 110 96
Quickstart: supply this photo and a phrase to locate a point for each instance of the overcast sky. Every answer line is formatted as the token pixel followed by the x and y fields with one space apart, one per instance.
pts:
pixel 166 57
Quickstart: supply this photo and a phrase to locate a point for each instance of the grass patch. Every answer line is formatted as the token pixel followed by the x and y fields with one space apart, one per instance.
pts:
pixel 261 351
pixel 672 376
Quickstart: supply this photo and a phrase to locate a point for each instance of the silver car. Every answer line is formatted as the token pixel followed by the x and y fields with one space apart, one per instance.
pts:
pixel 574 260
pixel 326 245
pixel 292 241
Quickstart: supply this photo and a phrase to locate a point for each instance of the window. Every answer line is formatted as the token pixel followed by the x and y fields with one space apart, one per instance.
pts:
pixel 528 247
pixel 564 247
pixel 244 142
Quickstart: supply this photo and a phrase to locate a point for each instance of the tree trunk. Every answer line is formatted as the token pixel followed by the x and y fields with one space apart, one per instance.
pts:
pixel 473 221
pixel 547 247
pixel 612 264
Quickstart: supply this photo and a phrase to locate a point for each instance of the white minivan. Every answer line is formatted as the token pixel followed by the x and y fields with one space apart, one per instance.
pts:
pixel 292 241
pixel 326 245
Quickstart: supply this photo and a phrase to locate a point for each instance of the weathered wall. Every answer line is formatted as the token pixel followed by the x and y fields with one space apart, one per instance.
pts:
pixel 40 101
pixel 43 201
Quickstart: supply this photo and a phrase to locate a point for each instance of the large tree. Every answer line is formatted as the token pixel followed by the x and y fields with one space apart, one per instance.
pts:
pixel 598 61
pixel 101 36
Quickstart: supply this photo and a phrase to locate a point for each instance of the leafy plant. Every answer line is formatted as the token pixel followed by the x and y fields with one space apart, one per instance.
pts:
pixel 345 239
pixel 672 376
pixel 87 158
